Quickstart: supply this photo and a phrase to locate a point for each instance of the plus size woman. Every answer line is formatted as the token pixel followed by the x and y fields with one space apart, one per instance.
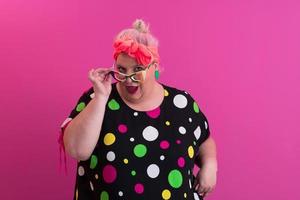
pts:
pixel 134 137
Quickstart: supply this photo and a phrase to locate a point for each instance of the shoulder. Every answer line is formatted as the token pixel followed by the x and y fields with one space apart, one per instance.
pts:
pixel 86 95
pixel 178 92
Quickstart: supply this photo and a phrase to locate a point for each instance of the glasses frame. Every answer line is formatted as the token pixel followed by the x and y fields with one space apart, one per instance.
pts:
pixel 131 76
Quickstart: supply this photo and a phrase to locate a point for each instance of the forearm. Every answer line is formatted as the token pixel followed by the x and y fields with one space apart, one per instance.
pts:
pixel 82 133
pixel 207 154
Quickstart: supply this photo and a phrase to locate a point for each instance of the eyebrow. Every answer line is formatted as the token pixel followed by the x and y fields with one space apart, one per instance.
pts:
pixel 118 65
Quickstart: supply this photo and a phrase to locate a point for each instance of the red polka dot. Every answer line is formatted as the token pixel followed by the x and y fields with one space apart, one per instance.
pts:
pixel 181 162
pixel 109 173
pixel 122 128
pixel 154 113
pixel 139 188
pixel 164 144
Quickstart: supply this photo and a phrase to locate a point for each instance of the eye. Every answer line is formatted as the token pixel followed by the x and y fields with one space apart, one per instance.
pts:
pixel 138 68
pixel 121 69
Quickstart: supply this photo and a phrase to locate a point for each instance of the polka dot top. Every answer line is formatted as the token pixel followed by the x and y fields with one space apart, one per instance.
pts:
pixel 142 155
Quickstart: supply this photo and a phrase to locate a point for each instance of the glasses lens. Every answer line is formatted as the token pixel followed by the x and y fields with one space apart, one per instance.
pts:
pixel 118 76
pixel 139 76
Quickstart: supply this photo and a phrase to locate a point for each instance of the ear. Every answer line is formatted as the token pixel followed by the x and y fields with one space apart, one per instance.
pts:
pixel 156 66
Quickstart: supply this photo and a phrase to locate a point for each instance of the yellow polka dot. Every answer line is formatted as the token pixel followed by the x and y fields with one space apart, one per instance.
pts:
pixel 109 139
pixel 191 151
pixel 185 195
pixel 167 123
pixel 96 176
pixel 126 161
pixel 166 194
pixel 166 93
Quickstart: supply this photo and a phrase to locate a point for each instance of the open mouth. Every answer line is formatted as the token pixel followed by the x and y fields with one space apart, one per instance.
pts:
pixel 132 89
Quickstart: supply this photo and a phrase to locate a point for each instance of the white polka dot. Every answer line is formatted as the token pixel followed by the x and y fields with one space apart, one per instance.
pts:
pixel 150 133
pixel 80 171
pixel 189 172
pixel 180 101
pixel 92 187
pixel 120 193
pixel 197 132
pixel 206 126
pixel 190 120
pixel 110 156
pixel 92 95
pixel 131 139
pixel 162 157
pixel 182 130
pixel 196 197
pixel 153 171
pixel 135 113
pixel 190 183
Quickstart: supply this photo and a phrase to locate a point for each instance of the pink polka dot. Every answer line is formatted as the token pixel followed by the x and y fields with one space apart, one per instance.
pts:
pixel 178 141
pixel 154 113
pixel 139 188
pixel 164 144
pixel 122 128
pixel 109 173
pixel 181 162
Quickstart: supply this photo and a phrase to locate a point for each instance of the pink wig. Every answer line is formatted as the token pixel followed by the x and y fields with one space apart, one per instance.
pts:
pixel 138 43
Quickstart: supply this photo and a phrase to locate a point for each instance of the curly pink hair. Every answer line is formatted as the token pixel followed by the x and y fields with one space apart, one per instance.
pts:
pixel 138 43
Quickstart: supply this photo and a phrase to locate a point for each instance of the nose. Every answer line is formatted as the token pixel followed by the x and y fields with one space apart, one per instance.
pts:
pixel 128 80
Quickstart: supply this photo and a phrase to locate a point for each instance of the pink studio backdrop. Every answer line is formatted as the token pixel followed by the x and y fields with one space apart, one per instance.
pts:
pixel 239 59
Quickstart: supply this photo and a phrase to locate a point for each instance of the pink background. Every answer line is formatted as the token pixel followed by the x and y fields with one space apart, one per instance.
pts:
pixel 239 59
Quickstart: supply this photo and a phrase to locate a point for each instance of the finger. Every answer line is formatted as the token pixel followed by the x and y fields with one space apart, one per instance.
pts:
pixel 203 192
pixel 102 70
pixel 195 182
pixel 99 75
pixel 94 79
pixel 90 75
pixel 201 189
pixel 107 78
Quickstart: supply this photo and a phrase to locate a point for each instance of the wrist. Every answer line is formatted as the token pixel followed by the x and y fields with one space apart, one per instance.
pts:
pixel 101 99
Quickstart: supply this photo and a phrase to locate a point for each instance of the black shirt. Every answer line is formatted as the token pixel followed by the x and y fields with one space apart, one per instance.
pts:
pixel 143 155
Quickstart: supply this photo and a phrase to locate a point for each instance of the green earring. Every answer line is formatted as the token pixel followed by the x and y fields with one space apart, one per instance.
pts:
pixel 156 74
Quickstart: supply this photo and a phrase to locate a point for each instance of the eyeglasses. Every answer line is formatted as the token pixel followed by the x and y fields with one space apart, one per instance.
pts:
pixel 138 77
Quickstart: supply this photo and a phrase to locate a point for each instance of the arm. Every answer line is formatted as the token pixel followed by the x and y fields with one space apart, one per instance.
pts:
pixel 82 133
pixel 207 154
pixel 206 178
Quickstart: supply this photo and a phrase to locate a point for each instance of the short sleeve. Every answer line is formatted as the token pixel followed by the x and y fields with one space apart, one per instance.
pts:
pixel 199 122
pixel 82 102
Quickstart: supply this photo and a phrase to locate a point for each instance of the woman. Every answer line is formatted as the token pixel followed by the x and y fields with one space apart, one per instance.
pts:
pixel 138 138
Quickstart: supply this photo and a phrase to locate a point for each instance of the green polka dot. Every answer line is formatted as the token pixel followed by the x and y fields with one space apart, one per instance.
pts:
pixel 140 150
pixel 196 108
pixel 175 178
pixel 133 173
pixel 104 195
pixel 113 105
pixel 80 106
pixel 94 161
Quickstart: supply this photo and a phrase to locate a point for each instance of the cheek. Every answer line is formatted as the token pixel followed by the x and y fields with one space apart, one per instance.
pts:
pixel 150 74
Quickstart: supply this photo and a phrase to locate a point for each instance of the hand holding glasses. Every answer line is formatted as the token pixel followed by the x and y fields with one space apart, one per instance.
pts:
pixel 137 77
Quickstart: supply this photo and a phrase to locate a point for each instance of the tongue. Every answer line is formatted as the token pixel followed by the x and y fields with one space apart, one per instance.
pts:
pixel 131 89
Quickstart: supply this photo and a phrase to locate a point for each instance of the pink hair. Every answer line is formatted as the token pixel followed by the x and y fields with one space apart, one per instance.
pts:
pixel 138 43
